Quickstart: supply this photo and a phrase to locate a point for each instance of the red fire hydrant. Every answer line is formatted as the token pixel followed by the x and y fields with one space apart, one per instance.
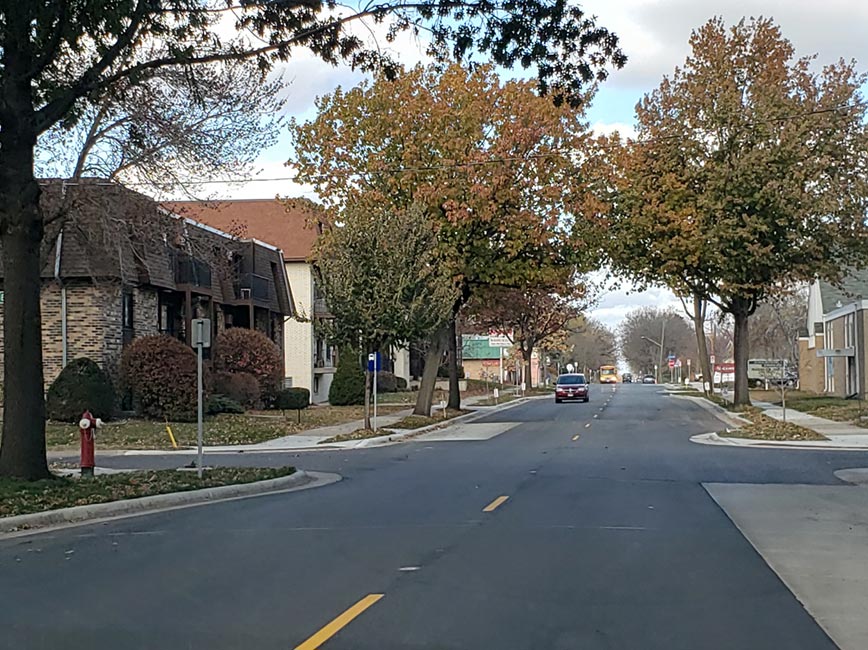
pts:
pixel 86 430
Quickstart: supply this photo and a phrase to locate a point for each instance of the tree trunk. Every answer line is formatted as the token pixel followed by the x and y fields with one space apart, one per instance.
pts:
pixel 527 357
pixel 367 395
pixel 454 402
pixel 22 453
pixel 740 314
pixel 425 396
pixel 702 345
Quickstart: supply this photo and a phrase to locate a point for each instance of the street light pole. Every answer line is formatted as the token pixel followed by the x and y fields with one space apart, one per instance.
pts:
pixel 659 344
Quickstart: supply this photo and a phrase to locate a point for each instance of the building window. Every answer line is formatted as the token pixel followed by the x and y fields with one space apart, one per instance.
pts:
pixel 127 317
pixel 849 330
pixel 316 384
pixel 829 343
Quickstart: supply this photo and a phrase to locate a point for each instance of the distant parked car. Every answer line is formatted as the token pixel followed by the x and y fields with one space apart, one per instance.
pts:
pixel 627 378
pixel 571 386
pixel 649 379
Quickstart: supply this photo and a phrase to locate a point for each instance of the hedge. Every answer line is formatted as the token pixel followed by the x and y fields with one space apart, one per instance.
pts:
pixel 81 385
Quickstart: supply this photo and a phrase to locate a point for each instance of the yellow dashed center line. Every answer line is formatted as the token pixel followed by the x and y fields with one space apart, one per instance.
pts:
pixel 499 501
pixel 340 622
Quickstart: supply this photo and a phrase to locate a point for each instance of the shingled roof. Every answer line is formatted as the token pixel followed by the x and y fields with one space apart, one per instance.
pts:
pixel 113 233
pixel 853 287
pixel 289 225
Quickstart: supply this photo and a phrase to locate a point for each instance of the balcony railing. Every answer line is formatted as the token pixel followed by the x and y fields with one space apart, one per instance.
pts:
pixel 251 286
pixel 320 308
pixel 191 270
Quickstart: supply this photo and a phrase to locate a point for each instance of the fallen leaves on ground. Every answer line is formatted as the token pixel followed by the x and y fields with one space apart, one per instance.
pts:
pixel 358 434
pixel 762 427
pixel 19 497
pixel 419 421
pixel 224 429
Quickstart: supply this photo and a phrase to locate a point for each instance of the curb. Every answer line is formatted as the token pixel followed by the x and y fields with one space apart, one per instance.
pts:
pixel 727 417
pixel 748 443
pixel 480 412
pixel 142 505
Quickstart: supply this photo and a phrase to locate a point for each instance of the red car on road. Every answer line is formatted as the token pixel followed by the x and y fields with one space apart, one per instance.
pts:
pixel 571 387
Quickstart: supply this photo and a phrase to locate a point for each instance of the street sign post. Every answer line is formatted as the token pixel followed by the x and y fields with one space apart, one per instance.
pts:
pixel 201 336
pixel 374 367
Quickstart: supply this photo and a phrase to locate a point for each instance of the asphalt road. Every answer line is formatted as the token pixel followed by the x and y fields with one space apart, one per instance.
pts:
pixel 606 540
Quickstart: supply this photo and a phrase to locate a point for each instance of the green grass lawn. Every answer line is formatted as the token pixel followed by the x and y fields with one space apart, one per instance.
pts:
pixel 24 497
pixel 831 408
pixel 224 429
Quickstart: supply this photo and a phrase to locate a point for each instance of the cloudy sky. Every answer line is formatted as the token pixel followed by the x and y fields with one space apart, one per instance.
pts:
pixel 653 33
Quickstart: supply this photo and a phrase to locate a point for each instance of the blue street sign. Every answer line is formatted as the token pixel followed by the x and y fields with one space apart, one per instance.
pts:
pixel 374 362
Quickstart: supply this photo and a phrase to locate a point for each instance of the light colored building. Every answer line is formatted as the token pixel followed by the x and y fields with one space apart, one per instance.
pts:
pixel 481 360
pixel 292 226
pixel 833 350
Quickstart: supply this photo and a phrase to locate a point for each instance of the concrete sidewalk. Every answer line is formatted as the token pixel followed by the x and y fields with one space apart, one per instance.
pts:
pixel 840 435
pixel 314 438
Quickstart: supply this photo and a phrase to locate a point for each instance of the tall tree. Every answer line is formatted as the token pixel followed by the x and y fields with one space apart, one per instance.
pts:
pixel 170 129
pixel 487 160
pixel 56 55
pixel 644 330
pixel 377 271
pixel 591 344
pixel 531 315
pixel 748 174
pixel 775 326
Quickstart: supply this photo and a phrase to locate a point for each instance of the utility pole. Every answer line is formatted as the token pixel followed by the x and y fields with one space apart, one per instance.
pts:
pixel 659 344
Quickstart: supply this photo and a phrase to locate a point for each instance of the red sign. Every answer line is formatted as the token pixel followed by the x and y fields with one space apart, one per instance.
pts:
pixel 725 368
pixel 671 363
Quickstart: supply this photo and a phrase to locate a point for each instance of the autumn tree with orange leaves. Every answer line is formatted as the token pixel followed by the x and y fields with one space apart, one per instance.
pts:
pixel 748 174
pixel 496 166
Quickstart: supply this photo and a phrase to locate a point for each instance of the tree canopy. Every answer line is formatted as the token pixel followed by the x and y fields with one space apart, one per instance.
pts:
pixel 748 174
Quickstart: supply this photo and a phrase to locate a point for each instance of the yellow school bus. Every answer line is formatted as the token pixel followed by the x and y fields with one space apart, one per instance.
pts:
pixel 608 374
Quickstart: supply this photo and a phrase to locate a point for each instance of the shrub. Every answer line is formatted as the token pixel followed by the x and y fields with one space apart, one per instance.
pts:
pixel 240 387
pixel 221 404
pixel 401 383
pixel 160 373
pixel 242 350
pixel 292 399
pixel 348 384
pixel 386 382
pixel 81 385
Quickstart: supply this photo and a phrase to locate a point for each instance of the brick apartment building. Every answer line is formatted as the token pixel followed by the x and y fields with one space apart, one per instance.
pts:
pixel 122 267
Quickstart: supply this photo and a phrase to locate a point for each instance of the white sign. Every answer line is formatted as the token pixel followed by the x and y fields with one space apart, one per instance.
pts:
pixel 201 332
pixel 499 339
pixel 711 359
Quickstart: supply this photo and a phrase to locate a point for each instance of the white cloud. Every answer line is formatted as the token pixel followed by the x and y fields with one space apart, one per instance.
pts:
pixel 615 304
pixel 269 179
pixel 654 33
pixel 607 128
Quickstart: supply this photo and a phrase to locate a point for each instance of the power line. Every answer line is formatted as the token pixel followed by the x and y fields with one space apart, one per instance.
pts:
pixel 461 165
